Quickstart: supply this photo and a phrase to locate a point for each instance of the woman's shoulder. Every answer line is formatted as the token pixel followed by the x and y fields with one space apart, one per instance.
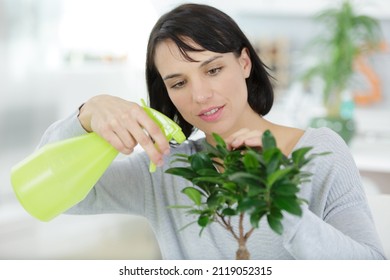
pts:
pixel 321 136
pixel 325 140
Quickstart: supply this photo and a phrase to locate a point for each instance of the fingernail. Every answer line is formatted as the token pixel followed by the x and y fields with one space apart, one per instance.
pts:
pixel 235 142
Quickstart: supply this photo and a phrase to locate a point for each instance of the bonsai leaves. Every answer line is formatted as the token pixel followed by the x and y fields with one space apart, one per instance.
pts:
pixel 258 183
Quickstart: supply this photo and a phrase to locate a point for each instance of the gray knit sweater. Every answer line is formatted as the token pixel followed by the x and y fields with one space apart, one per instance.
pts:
pixel 336 223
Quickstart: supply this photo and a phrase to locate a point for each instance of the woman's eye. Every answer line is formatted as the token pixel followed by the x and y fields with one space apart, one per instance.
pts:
pixel 214 71
pixel 178 84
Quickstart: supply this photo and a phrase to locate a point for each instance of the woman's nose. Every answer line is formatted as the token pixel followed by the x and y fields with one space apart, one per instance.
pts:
pixel 201 93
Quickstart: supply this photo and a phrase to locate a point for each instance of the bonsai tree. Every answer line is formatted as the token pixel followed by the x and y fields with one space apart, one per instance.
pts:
pixel 249 183
pixel 347 35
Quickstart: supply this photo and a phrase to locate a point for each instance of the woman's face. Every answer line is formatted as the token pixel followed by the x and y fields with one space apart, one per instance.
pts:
pixel 210 93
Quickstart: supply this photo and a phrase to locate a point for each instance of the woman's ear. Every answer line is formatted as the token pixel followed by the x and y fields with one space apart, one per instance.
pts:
pixel 245 62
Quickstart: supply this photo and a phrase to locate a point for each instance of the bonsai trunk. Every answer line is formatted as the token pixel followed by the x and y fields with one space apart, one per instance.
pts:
pixel 242 253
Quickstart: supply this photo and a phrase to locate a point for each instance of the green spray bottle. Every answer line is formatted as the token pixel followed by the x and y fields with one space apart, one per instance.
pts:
pixel 59 175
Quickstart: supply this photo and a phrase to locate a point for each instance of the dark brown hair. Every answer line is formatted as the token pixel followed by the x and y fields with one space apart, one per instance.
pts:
pixel 214 31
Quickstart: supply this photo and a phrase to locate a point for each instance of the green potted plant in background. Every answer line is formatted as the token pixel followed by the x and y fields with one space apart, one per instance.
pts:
pixel 247 183
pixel 347 35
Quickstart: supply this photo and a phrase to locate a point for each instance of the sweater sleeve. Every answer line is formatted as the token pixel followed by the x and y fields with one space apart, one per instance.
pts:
pixel 337 223
pixel 121 189
pixel 63 129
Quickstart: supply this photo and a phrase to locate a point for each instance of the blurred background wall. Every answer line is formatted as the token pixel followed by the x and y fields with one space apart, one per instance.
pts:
pixel 55 54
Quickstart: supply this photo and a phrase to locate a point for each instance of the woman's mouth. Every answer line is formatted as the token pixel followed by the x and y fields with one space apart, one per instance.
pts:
pixel 211 114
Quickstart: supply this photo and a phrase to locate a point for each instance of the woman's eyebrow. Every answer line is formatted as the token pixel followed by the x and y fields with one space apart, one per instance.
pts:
pixel 204 63
pixel 211 59
pixel 170 76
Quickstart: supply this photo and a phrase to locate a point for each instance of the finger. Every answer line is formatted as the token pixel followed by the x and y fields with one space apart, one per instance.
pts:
pixel 127 144
pixel 122 138
pixel 146 142
pixel 236 139
pixel 153 130
pixel 158 136
pixel 111 137
pixel 253 141
pixel 246 137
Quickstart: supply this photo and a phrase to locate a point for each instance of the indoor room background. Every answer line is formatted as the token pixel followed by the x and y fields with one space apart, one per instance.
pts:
pixel 55 54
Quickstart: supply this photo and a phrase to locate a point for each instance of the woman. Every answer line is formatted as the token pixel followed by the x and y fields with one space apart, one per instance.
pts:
pixel 203 72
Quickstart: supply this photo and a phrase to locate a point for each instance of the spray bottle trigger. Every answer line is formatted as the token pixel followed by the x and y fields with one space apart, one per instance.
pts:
pixel 168 126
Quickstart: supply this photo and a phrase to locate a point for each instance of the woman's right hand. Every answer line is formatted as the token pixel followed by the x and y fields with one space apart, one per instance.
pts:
pixel 124 124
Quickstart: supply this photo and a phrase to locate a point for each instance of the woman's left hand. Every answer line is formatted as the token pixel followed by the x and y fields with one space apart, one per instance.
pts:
pixel 244 137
